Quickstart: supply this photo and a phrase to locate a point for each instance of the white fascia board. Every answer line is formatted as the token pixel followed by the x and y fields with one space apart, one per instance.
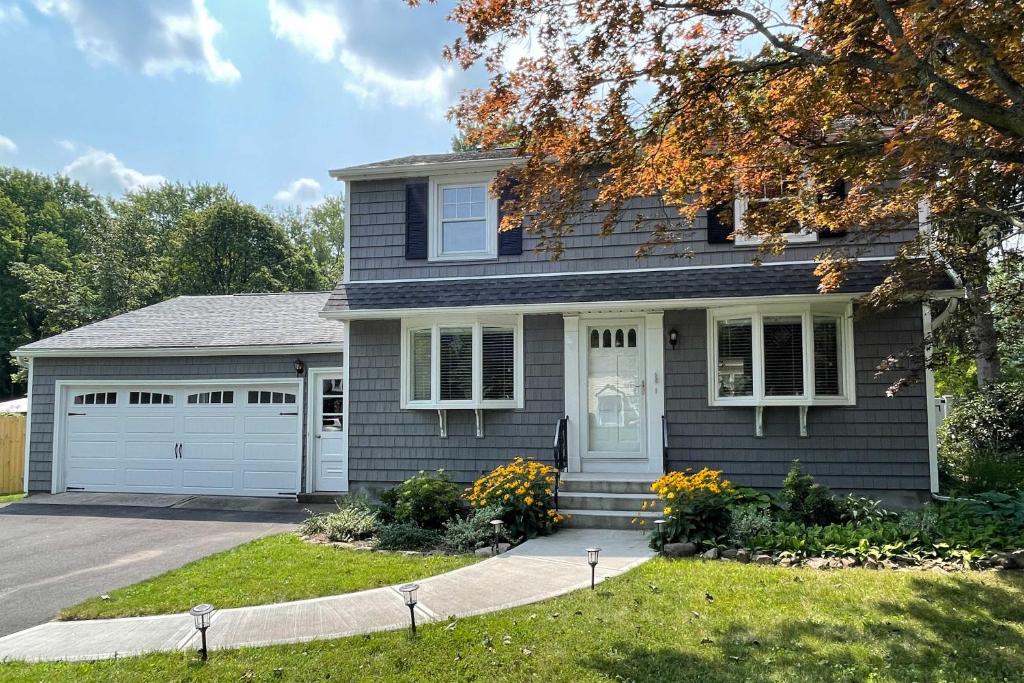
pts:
pixel 269 350
pixel 599 306
pixel 426 169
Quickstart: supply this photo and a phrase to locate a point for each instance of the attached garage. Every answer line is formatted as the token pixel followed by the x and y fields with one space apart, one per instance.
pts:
pixel 223 395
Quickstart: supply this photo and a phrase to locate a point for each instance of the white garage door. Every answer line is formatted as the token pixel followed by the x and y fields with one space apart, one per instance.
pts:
pixel 230 439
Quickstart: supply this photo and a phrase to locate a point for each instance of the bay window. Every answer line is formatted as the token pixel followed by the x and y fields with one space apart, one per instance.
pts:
pixel 476 363
pixel 781 355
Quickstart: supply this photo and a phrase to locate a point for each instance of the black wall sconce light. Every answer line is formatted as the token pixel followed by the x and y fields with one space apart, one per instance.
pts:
pixel 673 337
pixel 300 367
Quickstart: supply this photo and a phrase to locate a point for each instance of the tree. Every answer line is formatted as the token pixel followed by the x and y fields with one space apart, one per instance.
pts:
pixel 320 230
pixel 910 102
pixel 231 247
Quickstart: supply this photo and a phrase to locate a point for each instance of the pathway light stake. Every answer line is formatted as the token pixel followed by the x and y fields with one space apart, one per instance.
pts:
pixel 592 554
pixel 408 592
pixel 202 614
pixel 659 524
pixel 497 524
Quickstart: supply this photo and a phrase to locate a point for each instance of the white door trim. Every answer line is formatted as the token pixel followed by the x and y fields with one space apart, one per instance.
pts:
pixel 60 392
pixel 312 398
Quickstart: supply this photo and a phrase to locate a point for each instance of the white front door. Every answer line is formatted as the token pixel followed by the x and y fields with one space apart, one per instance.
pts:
pixel 613 423
pixel 330 447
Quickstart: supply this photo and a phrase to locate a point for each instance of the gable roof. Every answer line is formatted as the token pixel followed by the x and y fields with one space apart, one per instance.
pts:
pixel 205 323
pixel 423 164
pixel 669 287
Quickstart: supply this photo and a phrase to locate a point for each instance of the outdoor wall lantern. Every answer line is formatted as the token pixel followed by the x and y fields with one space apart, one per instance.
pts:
pixel 408 592
pixel 300 367
pixel 592 554
pixel 496 524
pixel 203 615
pixel 673 337
pixel 659 524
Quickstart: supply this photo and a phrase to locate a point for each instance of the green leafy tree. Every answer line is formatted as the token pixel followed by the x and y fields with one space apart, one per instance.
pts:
pixel 320 229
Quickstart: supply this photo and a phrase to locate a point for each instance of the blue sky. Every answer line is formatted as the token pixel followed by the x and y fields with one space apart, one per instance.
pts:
pixel 263 95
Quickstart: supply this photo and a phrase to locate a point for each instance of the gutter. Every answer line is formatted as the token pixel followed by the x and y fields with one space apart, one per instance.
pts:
pixel 425 169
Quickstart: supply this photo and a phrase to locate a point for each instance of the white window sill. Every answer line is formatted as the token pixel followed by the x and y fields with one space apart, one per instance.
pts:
pixel 476 256
pixel 789 237
pixel 751 402
pixel 462 405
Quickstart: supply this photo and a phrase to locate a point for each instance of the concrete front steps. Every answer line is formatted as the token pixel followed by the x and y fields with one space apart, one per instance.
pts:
pixel 605 501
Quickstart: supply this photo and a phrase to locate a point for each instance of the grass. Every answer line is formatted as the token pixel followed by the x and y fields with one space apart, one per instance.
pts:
pixel 272 569
pixel 658 623
pixel 10 497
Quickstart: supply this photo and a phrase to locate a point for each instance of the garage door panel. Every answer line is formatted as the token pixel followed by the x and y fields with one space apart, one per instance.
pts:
pixel 150 424
pixel 149 450
pixel 229 449
pixel 210 424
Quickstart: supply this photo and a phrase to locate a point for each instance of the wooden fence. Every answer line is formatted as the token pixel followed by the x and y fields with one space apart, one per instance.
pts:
pixel 12 453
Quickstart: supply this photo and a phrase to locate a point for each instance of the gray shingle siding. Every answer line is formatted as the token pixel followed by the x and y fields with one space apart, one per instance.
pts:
pixel 377 239
pixel 880 444
pixel 46 371
pixel 387 444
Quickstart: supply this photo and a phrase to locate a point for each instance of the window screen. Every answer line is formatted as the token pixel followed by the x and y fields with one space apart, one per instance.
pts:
pixel 456 364
pixel 498 364
pixel 783 357
pixel 463 219
pixel 826 357
pixel 735 358
pixel 420 375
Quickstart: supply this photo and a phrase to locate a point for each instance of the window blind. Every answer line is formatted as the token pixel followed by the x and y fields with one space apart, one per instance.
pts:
pixel 456 364
pixel 498 364
pixel 735 358
pixel 420 375
pixel 826 357
pixel 783 357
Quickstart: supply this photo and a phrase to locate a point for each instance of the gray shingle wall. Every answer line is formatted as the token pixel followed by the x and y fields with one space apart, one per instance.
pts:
pixel 879 445
pixel 46 371
pixel 387 445
pixel 377 238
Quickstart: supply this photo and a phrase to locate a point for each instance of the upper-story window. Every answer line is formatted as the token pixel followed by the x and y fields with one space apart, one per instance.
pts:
pixel 464 218
pixel 769 193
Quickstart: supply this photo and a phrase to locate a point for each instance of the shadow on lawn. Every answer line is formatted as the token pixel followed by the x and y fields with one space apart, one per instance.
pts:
pixel 952 629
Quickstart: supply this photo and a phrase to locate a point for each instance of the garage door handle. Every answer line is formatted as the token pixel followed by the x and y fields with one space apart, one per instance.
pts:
pixel 287 413
pixel 76 413
pixel 177 451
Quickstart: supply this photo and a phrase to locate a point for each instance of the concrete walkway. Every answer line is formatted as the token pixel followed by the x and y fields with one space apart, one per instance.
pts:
pixel 534 571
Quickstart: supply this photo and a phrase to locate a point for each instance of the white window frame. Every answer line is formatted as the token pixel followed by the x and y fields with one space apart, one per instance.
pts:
pixel 440 183
pixel 740 205
pixel 476 324
pixel 847 361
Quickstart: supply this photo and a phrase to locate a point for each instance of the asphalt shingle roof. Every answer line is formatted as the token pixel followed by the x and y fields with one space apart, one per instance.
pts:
pixel 646 285
pixel 416 159
pixel 207 322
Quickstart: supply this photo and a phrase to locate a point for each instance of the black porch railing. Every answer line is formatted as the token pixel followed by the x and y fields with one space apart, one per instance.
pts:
pixel 664 444
pixel 561 452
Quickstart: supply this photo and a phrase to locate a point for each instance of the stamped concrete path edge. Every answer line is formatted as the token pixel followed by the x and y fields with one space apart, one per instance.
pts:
pixel 539 569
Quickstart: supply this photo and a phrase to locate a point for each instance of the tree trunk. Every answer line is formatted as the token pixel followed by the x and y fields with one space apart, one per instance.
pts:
pixel 983 333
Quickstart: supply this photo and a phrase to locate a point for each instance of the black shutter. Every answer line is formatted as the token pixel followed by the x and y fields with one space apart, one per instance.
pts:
pixel 720 224
pixel 416 204
pixel 510 242
pixel 836 191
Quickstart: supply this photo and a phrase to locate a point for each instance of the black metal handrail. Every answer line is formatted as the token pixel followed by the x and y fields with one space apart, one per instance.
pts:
pixel 664 444
pixel 561 452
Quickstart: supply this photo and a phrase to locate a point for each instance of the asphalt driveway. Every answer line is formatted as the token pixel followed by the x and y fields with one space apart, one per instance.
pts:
pixel 54 556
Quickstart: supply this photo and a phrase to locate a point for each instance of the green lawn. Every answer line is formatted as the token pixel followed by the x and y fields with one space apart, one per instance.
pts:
pixel 272 569
pixel 657 624
pixel 10 497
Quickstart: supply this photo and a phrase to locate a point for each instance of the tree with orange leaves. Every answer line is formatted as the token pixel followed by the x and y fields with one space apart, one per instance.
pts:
pixel 914 103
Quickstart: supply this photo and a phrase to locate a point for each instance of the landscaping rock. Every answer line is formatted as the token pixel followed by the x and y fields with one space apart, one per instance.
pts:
pixel 711 554
pixel 1015 560
pixel 679 549
pixel 787 562
pixel 730 554
pixel 818 563
pixel 743 555
pixel 761 558
pixel 872 563
pixel 847 562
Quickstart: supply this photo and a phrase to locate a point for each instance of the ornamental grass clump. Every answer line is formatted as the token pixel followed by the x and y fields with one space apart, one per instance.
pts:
pixel 696 506
pixel 525 491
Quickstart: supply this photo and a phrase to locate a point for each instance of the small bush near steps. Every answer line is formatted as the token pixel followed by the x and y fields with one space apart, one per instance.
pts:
pixel 524 490
pixel 426 499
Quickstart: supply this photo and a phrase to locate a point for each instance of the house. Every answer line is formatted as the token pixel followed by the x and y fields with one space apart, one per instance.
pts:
pixel 463 347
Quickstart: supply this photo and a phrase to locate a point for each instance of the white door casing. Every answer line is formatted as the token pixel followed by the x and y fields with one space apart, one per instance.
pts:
pixel 244 446
pixel 329 428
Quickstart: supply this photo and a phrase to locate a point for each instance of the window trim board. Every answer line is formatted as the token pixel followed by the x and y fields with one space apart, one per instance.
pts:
pixel 757 313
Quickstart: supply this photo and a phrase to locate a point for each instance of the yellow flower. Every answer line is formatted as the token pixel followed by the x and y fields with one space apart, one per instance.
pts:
pixel 668 511
pixel 528 500
pixel 671 495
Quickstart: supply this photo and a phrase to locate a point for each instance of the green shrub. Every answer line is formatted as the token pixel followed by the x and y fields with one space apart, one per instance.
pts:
pixel 748 522
pixel 981 442
pixel 355 520
pixel 525 491
pixel 858 510
pixel 696 506
pixel 426 499
pixel 466 534
pixel 805 501
pixel 406 536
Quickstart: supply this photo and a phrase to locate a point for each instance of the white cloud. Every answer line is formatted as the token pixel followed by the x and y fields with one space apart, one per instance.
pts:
pixel 67 145
pixel 7 145
pixel 389 52
pixel 158 38
pixel 11 13
pixel 106 174
pixel 304 192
